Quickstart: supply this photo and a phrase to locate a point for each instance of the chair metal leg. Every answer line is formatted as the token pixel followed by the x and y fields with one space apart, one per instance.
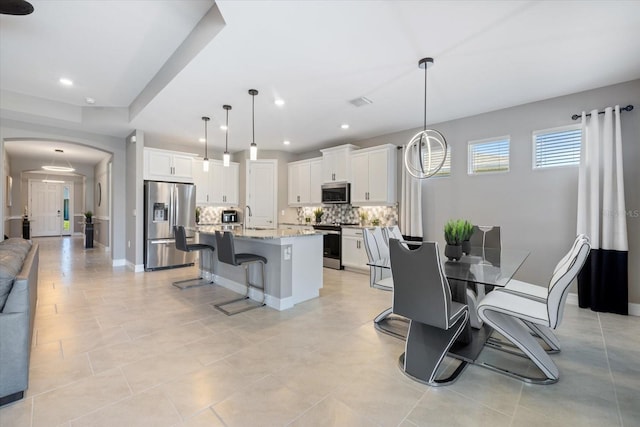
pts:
pixel 192 283
pixel 426 348
pixel 246 296
pixel 385 323
pixel 515 331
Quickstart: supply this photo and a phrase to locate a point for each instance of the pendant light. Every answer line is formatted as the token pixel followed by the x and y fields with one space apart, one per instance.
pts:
pixel 253 149
pixel 205 163
pixel 55 168
pixel 226 158
pixel 416 162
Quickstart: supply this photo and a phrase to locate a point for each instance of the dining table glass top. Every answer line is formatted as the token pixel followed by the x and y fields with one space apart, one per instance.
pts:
pixel 492 267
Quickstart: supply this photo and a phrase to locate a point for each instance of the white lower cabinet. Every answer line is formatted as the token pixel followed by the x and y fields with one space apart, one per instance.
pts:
pixel 354 254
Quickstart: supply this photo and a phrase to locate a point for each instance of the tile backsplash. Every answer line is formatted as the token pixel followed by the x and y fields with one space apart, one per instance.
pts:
pixel 345 213
pixel 211 215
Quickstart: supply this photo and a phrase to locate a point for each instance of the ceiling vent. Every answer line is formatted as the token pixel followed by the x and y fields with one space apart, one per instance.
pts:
pixel 361 101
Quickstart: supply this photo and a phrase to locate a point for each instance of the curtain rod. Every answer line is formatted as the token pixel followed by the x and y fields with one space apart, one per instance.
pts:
pixel 577 116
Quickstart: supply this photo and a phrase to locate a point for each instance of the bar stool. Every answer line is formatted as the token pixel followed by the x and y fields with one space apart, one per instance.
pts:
pixel 228 255
pixel 182 245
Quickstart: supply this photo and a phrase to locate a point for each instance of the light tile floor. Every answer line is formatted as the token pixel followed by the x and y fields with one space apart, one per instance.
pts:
pixel 117 348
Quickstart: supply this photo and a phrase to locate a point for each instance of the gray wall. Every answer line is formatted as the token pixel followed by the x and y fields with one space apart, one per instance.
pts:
pixel 535 208
pixel 134 196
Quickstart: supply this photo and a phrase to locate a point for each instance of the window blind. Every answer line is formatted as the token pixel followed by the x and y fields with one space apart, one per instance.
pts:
pixel 436 158
pixel 557 147
pixel 489 156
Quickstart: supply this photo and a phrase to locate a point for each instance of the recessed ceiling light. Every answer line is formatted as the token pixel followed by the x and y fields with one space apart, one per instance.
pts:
pixel 279 102
pixel 90 100
pixel 65 81
pixel 202 140
pixel 223 127
pixel 344 126
pixel 286 142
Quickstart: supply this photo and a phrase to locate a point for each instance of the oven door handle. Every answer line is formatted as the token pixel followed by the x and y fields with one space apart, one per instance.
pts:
pixel 327 232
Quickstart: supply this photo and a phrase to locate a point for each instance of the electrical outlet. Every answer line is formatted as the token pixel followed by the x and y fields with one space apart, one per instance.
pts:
pixel 128 243
pixel 282 212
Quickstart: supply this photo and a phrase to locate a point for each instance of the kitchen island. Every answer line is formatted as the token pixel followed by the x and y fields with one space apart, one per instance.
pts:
pixel 293 270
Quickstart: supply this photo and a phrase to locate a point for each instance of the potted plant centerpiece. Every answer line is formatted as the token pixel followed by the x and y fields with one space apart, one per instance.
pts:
pixel 88 215
pixel 453 233
pixel 467 231
pixel 318 212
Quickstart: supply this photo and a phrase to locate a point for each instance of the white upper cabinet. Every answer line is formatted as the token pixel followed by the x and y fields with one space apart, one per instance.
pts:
pixel 164 165
pixel 231 184
pixel 373 176
pixel 201 180
pixel 304 182
pixel 335 163
pixel 315 182
pixel 217 187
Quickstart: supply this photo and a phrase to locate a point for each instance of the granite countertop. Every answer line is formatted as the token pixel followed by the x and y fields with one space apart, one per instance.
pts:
pixel 241 233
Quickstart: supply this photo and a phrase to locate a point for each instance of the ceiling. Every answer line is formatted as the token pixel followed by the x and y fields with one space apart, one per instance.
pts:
pixel 158 66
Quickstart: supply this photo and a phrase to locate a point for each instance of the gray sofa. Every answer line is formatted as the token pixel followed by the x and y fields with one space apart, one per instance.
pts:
pixel 18 294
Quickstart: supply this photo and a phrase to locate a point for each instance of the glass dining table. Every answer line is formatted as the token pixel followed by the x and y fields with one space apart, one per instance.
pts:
pixel 487 267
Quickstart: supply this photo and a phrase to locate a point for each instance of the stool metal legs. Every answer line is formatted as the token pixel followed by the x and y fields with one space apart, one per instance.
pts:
pixel 195 282
pixel 246 296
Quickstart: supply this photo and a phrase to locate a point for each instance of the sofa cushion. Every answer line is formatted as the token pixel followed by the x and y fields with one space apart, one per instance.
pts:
pixel 10 266
pixel 17 245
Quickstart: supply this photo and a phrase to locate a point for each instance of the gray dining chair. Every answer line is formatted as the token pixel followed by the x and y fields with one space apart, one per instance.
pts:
pixel 377 248
pixel 509 313
pixel 422 295
pixel 227 255
pixel 487 239
pixel 490 238
pixel 180 237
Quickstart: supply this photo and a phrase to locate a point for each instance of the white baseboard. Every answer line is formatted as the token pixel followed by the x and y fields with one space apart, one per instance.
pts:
pixel 634 309
pixel 136 268
pixel 271 301
pixel 119 262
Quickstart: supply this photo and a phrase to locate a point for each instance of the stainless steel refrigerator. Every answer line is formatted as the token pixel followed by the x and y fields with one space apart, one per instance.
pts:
pixel 167 204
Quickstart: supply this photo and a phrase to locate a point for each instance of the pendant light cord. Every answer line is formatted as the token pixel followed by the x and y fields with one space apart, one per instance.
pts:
pixel 424 123
pixel 226 134
pixel 206 139
pixel 253 117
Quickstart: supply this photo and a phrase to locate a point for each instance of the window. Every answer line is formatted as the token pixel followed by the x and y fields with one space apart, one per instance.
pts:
pixel 436 158
pixel 489 155
pixel 557 147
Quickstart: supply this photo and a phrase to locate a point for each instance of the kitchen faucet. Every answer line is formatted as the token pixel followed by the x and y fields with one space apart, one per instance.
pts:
pixel 246 218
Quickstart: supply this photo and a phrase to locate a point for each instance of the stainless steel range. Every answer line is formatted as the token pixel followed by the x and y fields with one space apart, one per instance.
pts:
pixel 332 244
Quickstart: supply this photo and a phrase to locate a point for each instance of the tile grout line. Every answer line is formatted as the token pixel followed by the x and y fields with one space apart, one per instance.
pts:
pixel 613 383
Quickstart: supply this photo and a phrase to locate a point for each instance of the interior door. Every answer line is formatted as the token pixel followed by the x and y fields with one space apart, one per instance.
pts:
pixel 46 209
pixel 262 193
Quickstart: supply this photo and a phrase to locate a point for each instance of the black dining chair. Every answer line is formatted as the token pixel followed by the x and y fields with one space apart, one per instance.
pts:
pixel 180 237
pixel 422 294
pixel 227 255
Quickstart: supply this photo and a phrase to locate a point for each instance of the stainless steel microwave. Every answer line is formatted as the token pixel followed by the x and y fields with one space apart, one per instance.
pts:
pixel 335 193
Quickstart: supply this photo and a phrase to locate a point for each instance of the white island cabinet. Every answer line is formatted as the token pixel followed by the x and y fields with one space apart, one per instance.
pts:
pixel 293 270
